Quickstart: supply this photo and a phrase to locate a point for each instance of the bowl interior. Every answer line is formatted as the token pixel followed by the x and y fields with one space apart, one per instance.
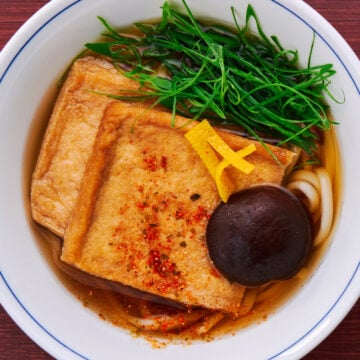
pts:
pixel 29 68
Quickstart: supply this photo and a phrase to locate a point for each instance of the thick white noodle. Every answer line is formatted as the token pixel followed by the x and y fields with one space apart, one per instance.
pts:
pixel 269 292
pixel 309 191
pixel 327 211
pixel 155 322
pixel 248 301
pixel 306 175
pixel 164 322
pixel 208 323
pixel 316 187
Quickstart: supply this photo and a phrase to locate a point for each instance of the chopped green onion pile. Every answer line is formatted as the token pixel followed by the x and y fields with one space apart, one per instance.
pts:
pixel 227 76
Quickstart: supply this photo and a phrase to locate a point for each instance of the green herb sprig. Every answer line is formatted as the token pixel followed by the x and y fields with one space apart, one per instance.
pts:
pixel 224 75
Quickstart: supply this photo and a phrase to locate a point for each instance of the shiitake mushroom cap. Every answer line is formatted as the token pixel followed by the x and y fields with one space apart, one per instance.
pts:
pixel 261 234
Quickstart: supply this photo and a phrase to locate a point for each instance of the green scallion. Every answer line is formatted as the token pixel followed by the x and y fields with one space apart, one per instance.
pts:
pixel 224 75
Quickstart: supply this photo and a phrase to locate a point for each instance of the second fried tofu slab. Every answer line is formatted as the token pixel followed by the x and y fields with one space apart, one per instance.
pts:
pixel 69 140
pixel 144 204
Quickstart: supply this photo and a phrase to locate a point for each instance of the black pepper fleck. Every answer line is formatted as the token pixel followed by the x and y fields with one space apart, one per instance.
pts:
pixel 195 197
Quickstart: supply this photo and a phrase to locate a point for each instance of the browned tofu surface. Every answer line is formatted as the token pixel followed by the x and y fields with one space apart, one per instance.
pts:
pixel 69 140
pixel 137 220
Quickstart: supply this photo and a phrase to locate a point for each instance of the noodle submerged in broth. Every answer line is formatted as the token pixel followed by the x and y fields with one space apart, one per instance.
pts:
pixel 315 183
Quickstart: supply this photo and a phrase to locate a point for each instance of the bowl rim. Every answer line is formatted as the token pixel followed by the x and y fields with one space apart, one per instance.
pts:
pixel 13 305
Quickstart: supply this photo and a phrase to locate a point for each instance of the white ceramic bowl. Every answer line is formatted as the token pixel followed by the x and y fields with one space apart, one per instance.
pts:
pixel 33 296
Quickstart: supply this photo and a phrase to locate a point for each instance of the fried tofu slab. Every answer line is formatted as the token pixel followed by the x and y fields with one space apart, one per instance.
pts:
pixel 69 140
pixel 130 196
pixel 144 204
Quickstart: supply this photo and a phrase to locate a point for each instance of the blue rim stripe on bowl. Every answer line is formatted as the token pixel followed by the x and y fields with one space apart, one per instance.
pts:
pixel 321 319
pixel 36 321
pixel 323 39
pixel 2 276
pixel 34 35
